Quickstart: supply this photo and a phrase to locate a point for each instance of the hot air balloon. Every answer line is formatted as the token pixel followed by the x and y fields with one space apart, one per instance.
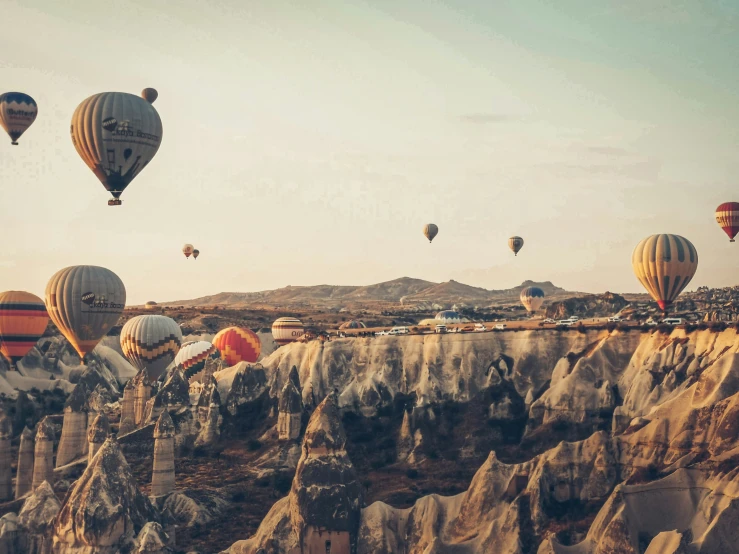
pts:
pixel 84 302
pixel 353 324
pixel 187 250
pixel 195 253
pixel 150 95
pixel 238 345
pixel 664 264
pixel 116 134
pixel 18 111
pixel 192 356
pixel 515 244
pixel 151 342
pixel 23 320
pixel 532 298
pixel 727 216
pixel 286 330
pixel 430 231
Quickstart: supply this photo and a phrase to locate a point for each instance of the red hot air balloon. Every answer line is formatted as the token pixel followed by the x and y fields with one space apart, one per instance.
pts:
pixel 238 345
pixel 727 216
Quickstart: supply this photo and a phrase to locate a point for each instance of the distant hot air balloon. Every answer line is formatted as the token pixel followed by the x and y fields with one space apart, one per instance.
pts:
pixel 151 342
pixel 238 345
pixel 18 111
pixel 84 302
pixel 23 319
pixel 187 250
pixel 664 264
pixel 532 298
pixel 150 95
pixel 116 134
pixel 195 253
pixel 727 216
pixel 286 330
pixel 192 356
pixel 515 244
pixel 430 231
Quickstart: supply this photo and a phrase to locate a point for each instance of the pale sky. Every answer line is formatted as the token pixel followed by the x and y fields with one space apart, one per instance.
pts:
pixel 308 142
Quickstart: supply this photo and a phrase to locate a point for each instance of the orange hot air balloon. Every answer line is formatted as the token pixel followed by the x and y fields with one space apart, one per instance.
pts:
pixel 23 319
pixel 238 345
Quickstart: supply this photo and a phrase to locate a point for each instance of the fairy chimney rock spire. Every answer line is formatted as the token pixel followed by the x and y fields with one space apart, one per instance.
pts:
pixel 73 442
pixel 43 462
pixel 290 412
pixel 24 476
pixel 163 476
pixel 97 435
pixel 6 472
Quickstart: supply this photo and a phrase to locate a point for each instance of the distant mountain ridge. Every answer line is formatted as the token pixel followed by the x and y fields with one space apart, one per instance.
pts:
pixel 407 290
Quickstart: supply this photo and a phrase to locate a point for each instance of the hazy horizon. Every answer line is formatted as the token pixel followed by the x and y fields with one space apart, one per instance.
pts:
pixel 309 144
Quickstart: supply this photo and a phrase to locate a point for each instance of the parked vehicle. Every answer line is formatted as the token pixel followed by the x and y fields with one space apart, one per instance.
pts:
pixel 500 327
pixel 566 322
pixel 673 320
pixel 479 327
pixel 651 322
pixel 399 331
pixel 615 319
pixel 549 320
pixel 441 328
pixel 381 333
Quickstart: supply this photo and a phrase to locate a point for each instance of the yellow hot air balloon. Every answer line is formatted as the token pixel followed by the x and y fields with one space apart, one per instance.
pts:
pixel 84 302
pixel 430 231
pixel 150 95
pixel 515 244
pixel 117 135
pixel 23 320
pixel 18 111
pixel 664 264
pixel 151 342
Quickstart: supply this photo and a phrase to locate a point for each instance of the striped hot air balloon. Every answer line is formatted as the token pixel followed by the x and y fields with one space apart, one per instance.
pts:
pixel 23 320
pixel 238 345
pixel 117 135
pixel 286 330
pixel 192 356
pixel 664 264
pixel 353 324
pixel 727 216
pixel 84 302
pixel 430 231
pixel 18 111
pixel 515 244
pixel 151 342
pixel 532 298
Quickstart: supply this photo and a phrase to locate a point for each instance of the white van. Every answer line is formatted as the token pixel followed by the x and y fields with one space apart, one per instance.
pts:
pixel 614 319
pixel 673 320
pixel 441 328
pixel 480 327
pixel 500 327
pixel 399 331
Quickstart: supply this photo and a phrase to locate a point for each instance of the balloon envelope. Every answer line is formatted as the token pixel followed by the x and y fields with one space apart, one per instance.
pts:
pixel 187 250
pixel 515 244
pixel 23 320
pixel 532 298
pixel 727 216
pixel 151 342
pixel 286 330
pixel 664 264
pixel 18 111
pixel 430 231
pixel 150 95
pixel 195 253
pixel 116 134
pixel 84 302
pixel 192 356
pixel 238 345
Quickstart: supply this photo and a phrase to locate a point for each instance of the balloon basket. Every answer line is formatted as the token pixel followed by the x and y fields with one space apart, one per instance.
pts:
pixel 115 202
pixel 14 143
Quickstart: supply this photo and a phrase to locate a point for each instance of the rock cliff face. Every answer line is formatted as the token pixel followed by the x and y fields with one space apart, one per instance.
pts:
pixel 655 473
